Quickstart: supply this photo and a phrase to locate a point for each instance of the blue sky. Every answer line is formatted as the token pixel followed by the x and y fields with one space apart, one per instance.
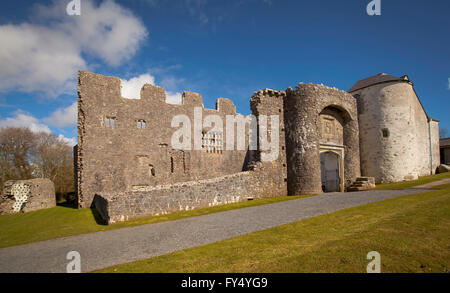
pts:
pixel 217 48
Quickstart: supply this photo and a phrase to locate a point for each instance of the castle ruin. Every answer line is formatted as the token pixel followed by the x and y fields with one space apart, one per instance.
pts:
pixel 126 165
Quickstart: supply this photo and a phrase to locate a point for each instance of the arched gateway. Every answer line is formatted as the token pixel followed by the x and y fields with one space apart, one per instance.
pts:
pixel 322 138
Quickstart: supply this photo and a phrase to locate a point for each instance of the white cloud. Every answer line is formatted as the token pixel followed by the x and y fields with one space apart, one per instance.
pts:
pixel 131 89
pixel 45 56
pixel 22 119
pixel 37 58
pixel 70 141
pixel 63 117
pixel 174 98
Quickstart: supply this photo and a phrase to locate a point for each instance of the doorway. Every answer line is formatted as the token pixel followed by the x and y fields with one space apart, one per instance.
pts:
pixel 330 170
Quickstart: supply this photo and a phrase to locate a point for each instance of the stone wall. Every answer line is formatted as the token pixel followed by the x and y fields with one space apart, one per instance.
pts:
pixel 116 154
pixel 262 179
pixel 394 133
pixel 435 149
pixel 21 196
pixel 271 103
pixel 152 201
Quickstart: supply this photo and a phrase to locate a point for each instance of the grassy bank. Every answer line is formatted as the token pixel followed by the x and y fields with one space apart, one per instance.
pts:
pixel 65 221
pixel 413 183
pixel 411 233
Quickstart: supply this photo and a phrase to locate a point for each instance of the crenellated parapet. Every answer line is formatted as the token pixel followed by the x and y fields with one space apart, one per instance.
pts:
pixel 225 106
pixel 266 97
pixel 102 89
pixel 191 99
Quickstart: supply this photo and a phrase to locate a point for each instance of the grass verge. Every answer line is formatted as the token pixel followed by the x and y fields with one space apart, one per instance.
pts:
pixel 413 183
pixel 411 233
pixel 65 221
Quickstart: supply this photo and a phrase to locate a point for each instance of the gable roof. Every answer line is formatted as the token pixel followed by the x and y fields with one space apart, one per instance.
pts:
pixel 376 79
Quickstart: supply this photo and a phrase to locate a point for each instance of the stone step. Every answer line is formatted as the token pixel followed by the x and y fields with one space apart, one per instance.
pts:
pixel 359 183
pixel 350 189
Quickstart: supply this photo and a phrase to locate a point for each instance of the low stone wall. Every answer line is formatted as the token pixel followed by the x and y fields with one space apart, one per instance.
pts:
pixel 21 196
pixel 186 196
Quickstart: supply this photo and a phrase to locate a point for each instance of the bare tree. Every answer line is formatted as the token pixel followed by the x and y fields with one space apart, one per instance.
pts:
pixel 16 147
pixel 25 155
pixel 53 159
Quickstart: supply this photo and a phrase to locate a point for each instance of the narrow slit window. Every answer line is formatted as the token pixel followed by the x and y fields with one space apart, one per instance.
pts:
pixel 152 170
pixel 110 122
pixel 141 124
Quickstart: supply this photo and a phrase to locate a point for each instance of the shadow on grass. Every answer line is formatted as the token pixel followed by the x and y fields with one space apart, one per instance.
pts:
pixel 73 205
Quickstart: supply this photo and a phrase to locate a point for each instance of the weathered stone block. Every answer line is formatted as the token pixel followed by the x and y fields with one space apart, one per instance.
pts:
pixel 362 183
pixel 21 196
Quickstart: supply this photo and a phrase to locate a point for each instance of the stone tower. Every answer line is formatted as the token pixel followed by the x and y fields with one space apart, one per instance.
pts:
pixel 321 138
pixel 397 138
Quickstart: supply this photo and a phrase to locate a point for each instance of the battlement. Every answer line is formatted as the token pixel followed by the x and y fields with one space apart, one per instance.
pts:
pixel 107 89
pixel 269 92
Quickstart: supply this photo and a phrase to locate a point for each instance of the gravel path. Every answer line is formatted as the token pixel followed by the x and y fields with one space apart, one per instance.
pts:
pixel 433 184
pixel 107 248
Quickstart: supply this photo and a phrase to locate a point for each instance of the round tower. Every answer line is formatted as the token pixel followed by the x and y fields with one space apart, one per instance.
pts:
pixel 322 139
pixel 394 134
pixel 303 157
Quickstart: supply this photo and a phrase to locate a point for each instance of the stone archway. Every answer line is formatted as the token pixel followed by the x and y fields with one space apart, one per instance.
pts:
pixel 319 119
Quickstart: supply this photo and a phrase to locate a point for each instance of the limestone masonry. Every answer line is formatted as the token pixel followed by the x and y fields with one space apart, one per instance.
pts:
pixel 27 195
pixel 126 165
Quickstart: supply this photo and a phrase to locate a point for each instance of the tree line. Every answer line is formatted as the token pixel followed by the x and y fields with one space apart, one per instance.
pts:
pixel 26 155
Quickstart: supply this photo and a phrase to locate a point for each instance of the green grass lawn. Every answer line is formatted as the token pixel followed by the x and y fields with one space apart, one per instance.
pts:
pixel 409 184
pixel 411 233
pixel 65 221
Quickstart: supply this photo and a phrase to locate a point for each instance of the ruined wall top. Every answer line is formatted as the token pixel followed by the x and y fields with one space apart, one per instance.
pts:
pixel 315 87
pixel 108 89
pixel 320 96
pixel 265 94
